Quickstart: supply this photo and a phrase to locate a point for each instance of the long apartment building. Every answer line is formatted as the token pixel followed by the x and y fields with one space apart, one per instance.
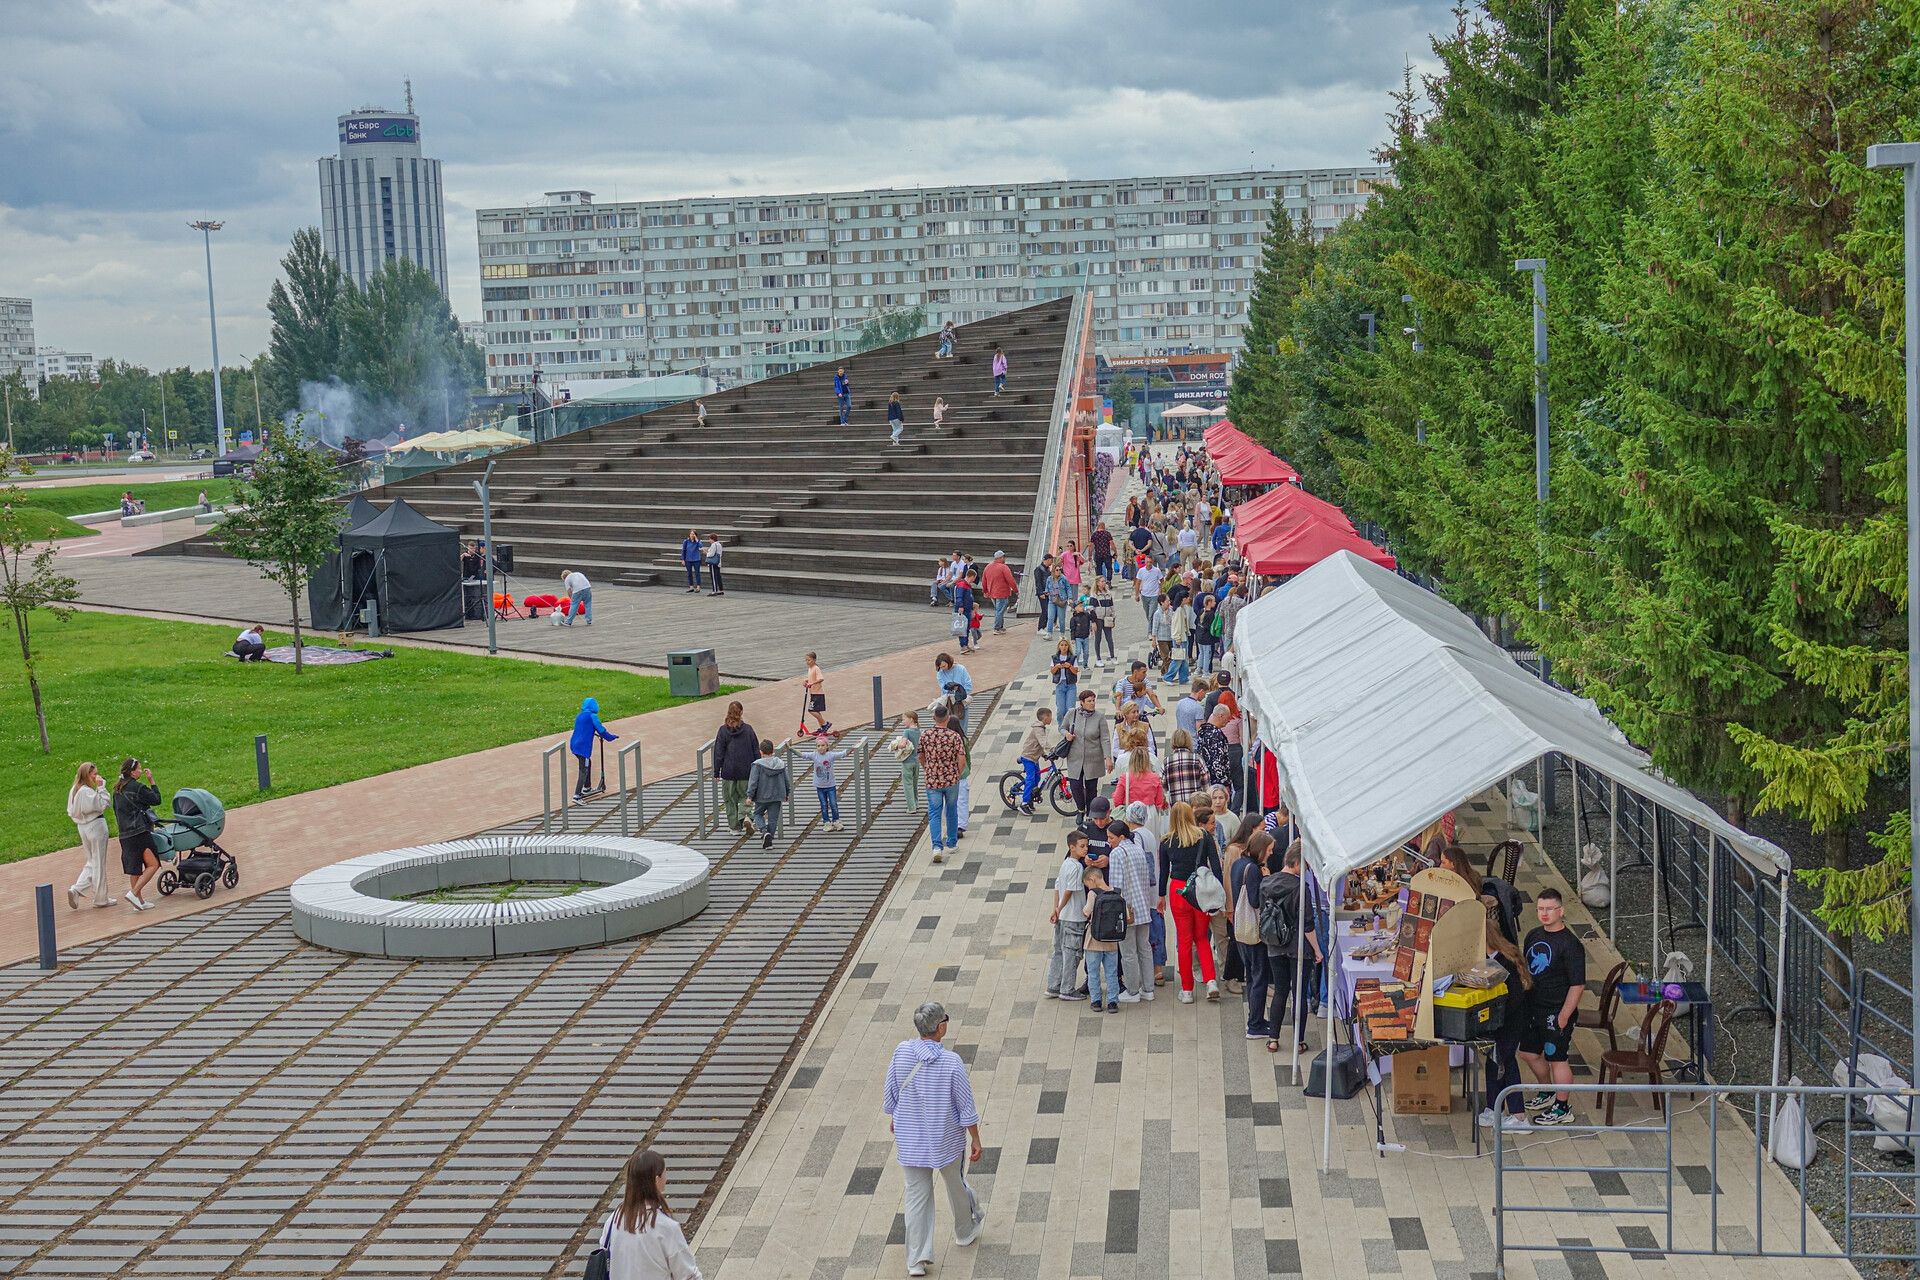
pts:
pixel 748 287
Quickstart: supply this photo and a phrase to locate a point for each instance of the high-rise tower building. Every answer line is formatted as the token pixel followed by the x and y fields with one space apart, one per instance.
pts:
pixel 380 198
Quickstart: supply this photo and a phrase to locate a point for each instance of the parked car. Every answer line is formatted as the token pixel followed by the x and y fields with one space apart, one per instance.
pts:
pixel 140 455
pixel 200 455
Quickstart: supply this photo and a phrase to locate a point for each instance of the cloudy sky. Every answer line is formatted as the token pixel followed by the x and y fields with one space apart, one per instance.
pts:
pixel 122 120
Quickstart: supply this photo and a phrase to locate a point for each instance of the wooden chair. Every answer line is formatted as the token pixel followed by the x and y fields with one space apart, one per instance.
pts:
pixel 1601 1019
pixel 1504 861
pixel 1615 1064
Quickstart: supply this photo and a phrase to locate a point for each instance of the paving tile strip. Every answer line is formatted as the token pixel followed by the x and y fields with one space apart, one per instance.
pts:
pixel 212 1097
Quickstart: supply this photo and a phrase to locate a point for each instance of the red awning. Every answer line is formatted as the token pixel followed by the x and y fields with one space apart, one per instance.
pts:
pixel 1251 464
pixel 1290 551
pixel 1285 508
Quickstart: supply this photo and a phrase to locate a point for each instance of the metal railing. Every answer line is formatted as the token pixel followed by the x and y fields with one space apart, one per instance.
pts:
pixel 1044 528
pixel 1866 1191
pixel 634 796
pixel 547 760
pixel 1835 1010
pixel 706 792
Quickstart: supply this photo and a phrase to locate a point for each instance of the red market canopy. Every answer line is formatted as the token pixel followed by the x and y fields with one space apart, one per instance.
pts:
pixel 1220 433
pixel 1251 464
pixel 1285 508
pixel 1283 552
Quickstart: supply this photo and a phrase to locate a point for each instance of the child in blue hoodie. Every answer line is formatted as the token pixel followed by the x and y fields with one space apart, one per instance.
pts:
pixel 586 727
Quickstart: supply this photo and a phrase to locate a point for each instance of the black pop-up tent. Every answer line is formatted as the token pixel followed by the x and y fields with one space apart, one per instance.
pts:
pixel 327 600
pixel 407 565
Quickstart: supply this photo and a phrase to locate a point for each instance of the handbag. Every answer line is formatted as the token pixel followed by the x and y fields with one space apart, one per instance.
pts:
pixel 1246 921
pixel 1204 891
pixel 600 1262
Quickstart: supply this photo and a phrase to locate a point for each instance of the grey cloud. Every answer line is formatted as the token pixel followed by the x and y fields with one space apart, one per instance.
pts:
pixel 118 122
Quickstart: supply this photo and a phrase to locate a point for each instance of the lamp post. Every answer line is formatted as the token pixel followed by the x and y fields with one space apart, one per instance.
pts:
pixel 484 488
pixel 206 230
pixel 1905 156
pixel 1413 331
pixel 1538 266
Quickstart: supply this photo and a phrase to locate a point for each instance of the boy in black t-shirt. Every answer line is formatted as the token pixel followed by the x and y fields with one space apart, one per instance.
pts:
pixel 1558 963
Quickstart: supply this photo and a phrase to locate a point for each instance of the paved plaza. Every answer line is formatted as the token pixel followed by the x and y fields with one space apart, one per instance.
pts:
pixel 210 1096
pixel 753 635
pixel 1159 1141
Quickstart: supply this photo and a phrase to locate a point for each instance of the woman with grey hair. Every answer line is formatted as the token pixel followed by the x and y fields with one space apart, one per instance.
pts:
pixel 936 1130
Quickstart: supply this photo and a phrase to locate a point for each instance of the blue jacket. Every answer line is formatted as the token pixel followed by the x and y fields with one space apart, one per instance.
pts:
pixel 956 674
pixel 586 727
pixel 841 386
pixel 690 551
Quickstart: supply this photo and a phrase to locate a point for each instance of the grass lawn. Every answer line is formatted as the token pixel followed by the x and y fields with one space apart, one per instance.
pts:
pixel 78 499
pixel 42 524
pixel 117 686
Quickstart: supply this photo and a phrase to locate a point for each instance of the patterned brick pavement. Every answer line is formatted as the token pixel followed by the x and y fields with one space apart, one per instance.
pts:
pixel 209 1096
pixel 1159 1141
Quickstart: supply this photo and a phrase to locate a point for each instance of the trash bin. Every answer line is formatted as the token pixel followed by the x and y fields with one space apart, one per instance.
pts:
pixel 692 673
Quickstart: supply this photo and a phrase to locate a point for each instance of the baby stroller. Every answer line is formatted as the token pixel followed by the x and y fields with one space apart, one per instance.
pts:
pixel 186 844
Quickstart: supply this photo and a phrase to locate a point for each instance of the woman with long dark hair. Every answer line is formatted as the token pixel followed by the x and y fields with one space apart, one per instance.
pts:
pixel 642 1240
pixel 134 796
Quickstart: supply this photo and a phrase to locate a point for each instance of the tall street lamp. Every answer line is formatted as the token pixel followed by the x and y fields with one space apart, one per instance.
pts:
pixel 1538 266
pixel 206 230
pixel 1413 331
pixel 1905 156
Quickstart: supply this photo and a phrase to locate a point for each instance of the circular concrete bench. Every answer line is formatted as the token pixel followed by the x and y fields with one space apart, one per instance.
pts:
pixel 640 886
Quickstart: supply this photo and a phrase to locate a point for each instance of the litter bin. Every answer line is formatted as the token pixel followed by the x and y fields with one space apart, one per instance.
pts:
pixel 692 673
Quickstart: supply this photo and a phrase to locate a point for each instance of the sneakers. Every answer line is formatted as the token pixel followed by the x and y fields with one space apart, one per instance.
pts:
pixel 766 840
pixel 1027 809
pixel 1113 1006
pixel 1129 997
pixel 1068 995
pixel 1511 1123
pixel 1258 1035
pixel 138 903
pixel 917 1269
pixel 1539 1101
pixel 1485 1118
pixel 73 900
pixel 1558 1113
pixel 939 855
pixel 1213 991
pixel 1186 997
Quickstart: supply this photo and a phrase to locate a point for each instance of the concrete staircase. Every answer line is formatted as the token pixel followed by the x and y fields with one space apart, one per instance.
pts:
pixel 802 504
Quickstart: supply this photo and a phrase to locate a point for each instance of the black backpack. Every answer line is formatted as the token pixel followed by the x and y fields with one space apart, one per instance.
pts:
pixel 1108 923
pixel 1277 924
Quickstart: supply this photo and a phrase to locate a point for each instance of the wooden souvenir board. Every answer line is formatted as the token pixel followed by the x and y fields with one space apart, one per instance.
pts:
pixel 1446 930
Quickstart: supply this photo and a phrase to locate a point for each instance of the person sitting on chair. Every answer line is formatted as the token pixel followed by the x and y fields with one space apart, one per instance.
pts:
pixel 248 645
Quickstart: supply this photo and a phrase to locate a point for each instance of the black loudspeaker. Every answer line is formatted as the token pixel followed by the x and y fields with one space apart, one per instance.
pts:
pixel 503 556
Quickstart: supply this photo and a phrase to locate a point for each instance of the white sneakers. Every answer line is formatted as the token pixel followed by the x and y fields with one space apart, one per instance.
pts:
pixel 139 903
pixel 1128 997
pixel 1213 990
pixel 1186 997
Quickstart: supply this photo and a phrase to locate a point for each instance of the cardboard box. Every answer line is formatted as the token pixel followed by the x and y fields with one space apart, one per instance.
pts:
pixel 1422 1083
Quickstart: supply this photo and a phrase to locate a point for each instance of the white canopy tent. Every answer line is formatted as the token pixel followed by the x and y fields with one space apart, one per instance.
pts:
pixel 1387 708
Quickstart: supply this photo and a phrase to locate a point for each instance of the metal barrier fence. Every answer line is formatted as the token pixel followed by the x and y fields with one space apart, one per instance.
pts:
pixel 547 761
pixel 1865 1191
pixel 1835 1009
pixel 633 795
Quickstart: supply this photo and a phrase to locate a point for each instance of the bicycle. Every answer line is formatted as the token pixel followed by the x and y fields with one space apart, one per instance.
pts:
pixel 1052 783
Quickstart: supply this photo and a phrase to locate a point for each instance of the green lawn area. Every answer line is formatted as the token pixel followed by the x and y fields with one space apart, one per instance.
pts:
pixel 164 691
pixel 45 524
pixel 78 499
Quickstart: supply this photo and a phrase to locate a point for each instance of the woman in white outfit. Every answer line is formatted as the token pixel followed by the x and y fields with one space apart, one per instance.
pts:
pixel 87 804
pixel 641 1240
